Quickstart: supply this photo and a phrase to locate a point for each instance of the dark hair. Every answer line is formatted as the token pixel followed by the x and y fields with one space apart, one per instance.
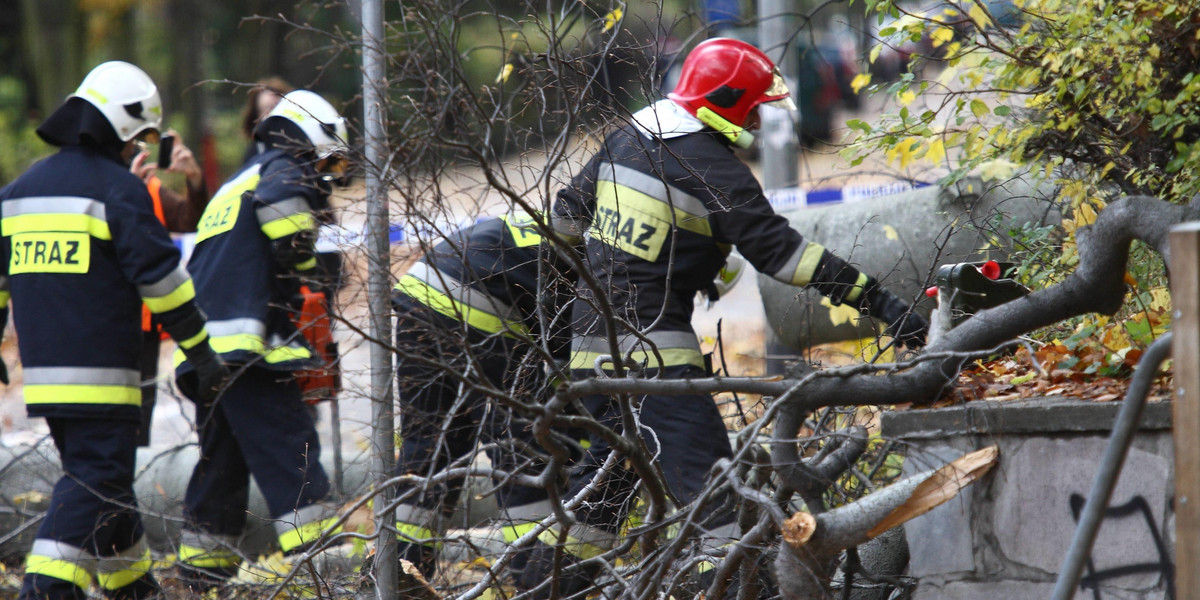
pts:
pixel 250 112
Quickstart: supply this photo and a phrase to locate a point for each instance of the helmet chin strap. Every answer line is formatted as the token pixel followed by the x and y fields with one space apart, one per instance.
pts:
pixel 737 135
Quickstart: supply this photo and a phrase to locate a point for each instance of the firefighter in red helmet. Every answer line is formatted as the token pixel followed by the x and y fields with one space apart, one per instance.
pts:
pixel 658 209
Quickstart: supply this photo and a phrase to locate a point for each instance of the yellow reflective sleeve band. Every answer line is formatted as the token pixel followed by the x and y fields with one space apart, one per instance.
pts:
pixel 124 577
pixel 83 394
pixel 807 266
pixel 424 536
pixel 5 296
pixel 207 559
pixel 513 532
pixel 288 225
pixel 671 357
pixel 307 265
pixel 859 285
pixel 307 533
pixel 58 569
pixel 193 341
pixel 478 318
pixel 251 343
pixel 176 298
pixel 573 546
pixel 522 229
pixel 61 222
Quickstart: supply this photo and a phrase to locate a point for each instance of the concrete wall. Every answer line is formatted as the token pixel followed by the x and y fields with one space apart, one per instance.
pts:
pixel 1006 536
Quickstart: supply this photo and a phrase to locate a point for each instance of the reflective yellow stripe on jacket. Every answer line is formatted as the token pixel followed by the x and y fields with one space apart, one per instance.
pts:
pixel 458 301
pixel 82 385
pixel 232 335
pixel 676 348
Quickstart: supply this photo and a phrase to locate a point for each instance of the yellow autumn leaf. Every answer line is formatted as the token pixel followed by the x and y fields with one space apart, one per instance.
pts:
pixel 860 81
pixel 505 71
pixel 979 16
pixel 1085 215
pixel 936 152
pixel 1160 298
pixel 889 232
pixel 941 35
pixel 997 169
pixel 839 315
pixel 906 97
pixel 612 18
pixel 904 151
pixel 874 54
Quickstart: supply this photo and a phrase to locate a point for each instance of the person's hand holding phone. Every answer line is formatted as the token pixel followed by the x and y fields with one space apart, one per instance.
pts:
pixel 179 159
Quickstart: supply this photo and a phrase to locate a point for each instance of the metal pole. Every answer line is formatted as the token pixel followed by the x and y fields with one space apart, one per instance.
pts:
pixel 1126 424
pixel 378 288
pixel 777 137
pixel 780 162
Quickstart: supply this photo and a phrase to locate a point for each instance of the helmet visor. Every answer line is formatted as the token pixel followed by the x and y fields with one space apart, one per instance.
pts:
pixel 779 95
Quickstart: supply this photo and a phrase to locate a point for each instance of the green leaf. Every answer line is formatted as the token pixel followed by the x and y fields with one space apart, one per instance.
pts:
pixel 979 108
pixel 1003 110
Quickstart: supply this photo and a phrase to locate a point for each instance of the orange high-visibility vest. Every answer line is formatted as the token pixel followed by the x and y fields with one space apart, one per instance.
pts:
pixel 153 185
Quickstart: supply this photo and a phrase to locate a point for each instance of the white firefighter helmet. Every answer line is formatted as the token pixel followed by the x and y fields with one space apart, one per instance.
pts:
pixel 317 118
pixel 126 96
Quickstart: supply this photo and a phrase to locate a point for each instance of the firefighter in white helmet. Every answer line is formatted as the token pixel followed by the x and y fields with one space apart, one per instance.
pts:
pixel 80 251
pixel 254 246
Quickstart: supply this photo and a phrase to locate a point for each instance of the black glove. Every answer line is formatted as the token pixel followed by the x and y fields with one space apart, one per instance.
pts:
pixel 905 325
pixel 3 373
pixel 208 377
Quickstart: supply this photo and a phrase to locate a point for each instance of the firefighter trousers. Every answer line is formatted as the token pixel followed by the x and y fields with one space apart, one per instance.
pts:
pixel 442 420
pixel 687 436
pixel 259 426
pixel 92 531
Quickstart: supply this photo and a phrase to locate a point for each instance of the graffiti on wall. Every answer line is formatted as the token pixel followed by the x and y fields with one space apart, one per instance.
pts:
pixel 1137 508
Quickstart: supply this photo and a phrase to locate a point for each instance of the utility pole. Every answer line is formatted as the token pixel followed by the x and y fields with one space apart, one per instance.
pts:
pixel 779 148
pixel 378 289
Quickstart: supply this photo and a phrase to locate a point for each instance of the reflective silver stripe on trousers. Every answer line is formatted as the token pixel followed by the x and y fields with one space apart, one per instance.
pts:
pixel 82 376
pixel 64 552
pixel 283 208
pixel 462 293
pixel 166 285
pixel 56 204
pixel 302 516
pixel 654 187
pixel 123 560
pixel 421 517
pixel 662 340
pixel 594 536
pixel 208 541
pixel 230 327
pixel 535 511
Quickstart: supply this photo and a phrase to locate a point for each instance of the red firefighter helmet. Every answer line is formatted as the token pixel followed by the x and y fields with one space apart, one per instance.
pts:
pixel 729 77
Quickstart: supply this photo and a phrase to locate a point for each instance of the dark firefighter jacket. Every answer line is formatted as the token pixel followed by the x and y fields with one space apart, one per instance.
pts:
pixel 255 238
pixel 80 250
pixel 659 214
pixel 486 275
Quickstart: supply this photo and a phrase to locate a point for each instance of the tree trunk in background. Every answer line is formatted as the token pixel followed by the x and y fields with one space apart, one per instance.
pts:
pixel 185 102
pixel 54 34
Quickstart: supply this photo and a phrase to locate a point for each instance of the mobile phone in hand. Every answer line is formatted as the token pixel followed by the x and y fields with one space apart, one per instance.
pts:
pixel 165 146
